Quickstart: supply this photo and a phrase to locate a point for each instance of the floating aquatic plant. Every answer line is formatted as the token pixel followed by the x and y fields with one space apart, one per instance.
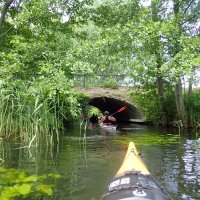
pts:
pixel 16 183
pixel 151 139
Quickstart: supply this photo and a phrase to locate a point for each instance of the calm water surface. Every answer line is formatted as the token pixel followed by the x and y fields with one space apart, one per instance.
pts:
pixel 87 164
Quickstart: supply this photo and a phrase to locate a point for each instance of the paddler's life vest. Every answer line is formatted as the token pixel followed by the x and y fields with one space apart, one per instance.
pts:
pixel 107 121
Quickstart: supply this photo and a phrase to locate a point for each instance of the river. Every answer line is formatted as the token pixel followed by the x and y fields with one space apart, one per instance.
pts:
pixel 88 159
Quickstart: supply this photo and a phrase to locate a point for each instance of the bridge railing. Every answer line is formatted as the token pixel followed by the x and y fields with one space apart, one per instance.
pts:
pixel 90 80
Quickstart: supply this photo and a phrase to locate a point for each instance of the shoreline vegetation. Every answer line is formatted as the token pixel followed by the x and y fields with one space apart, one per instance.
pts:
pixel 28 115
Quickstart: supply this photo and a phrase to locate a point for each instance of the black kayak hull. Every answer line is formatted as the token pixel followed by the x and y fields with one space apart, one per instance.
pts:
pixel 135 187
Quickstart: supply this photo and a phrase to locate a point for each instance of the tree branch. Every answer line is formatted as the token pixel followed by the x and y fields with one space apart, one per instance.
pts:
pixel 192 17
pixel 188 7
pixel 3 12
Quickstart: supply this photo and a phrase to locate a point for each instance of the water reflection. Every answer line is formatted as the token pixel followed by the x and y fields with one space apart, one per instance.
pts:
pixel 88 159
pixel 191 168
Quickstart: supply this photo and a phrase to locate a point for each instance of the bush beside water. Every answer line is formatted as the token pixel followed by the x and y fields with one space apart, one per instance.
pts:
pixel 147 100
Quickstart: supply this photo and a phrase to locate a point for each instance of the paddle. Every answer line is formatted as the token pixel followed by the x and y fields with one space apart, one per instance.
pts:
pixel 120 110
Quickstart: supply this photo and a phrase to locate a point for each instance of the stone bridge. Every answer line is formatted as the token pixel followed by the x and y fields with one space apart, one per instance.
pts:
pixel 112 100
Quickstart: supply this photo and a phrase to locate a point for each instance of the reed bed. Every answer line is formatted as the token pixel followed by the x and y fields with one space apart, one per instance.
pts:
pixel 29 116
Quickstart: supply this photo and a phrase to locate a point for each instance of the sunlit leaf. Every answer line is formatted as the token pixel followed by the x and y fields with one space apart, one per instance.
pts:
pixel 46 189
pixel 23 189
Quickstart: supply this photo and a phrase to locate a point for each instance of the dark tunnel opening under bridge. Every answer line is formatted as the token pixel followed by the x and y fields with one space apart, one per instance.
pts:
pixel 130 114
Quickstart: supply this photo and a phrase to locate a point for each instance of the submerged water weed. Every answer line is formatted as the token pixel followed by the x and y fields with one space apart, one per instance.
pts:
pixel 151 139
pixel 16 183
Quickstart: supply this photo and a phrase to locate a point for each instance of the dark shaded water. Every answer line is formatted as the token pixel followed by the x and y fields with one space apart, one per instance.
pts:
pixel 88 164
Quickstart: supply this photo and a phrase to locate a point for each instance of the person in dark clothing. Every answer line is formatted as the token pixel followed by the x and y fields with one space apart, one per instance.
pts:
pixel 94 119
pixel 106 119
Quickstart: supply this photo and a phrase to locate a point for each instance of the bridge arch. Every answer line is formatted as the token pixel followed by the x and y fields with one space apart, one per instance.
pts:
pixel 112 104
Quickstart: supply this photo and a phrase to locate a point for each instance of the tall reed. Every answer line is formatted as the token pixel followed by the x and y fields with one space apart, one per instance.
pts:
pixel 28 116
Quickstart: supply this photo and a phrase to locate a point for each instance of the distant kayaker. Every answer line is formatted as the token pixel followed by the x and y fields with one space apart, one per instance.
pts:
pixel 94 119
pixel 106 119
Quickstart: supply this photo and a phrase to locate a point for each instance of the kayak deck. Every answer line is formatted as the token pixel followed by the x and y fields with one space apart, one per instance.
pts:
pixel 132 162
pixel 133 181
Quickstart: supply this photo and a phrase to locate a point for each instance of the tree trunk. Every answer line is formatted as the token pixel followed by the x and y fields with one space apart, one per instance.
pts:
pixel 182 114
pixel 159 77
pixel 190 121
pixel 161 100
pixel 190 88
pixel 6 5
pixel 180 105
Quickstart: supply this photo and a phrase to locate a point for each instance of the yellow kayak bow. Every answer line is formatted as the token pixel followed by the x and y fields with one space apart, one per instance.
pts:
pixel 132 162
pixel 133 181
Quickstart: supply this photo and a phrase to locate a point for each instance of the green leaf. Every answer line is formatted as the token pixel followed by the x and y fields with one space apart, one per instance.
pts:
pixel 23 189
pixel 46 189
